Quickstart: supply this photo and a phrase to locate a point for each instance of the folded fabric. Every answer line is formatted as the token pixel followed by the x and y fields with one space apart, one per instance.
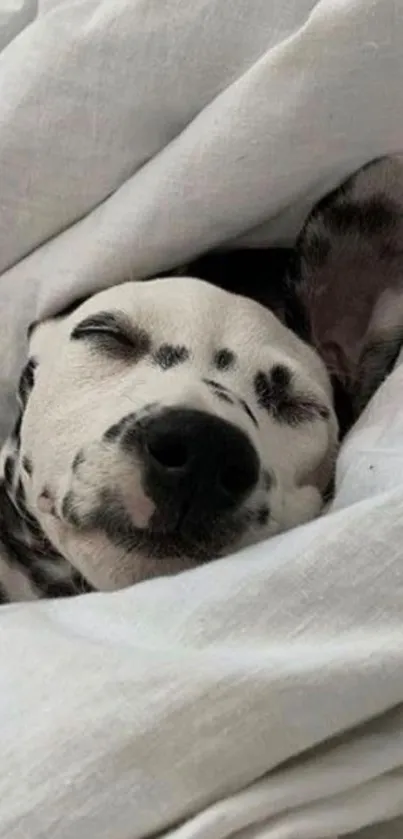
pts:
pixel 145 132
pixel 259 696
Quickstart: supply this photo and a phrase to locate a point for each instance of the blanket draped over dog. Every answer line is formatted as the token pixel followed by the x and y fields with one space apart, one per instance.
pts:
pixel 262 695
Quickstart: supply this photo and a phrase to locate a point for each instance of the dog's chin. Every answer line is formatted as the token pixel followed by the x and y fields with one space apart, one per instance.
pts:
pixel 185 547
pixel 112 557
pixel 198 541
pixel 157 546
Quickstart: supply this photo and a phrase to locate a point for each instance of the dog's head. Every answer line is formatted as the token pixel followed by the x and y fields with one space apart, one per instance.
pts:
pixel 167 423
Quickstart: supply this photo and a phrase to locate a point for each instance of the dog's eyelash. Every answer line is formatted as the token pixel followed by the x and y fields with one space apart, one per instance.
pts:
pixel 109 333
pixel 101 326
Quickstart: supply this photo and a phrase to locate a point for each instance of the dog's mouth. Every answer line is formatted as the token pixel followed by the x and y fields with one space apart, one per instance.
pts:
pixel 170 533
pixel 138 523
pixel 175 484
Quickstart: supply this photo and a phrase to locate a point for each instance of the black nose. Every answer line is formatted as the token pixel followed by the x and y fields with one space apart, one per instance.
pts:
pixel 197 462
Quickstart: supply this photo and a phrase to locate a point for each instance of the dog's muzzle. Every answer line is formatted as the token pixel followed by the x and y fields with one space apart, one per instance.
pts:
pixel 197 467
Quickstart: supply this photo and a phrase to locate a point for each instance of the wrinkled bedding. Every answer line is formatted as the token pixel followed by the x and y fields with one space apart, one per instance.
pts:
pixel 259 696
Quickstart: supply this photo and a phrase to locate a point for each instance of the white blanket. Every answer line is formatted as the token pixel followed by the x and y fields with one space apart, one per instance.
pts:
pixel 260 696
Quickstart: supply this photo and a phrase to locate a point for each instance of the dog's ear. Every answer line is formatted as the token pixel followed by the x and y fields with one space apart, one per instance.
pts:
pixel 63 313
pixel 266 275
pixel 284 281
pixel 350 266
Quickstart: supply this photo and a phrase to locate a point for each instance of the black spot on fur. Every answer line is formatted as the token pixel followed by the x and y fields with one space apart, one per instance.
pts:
pixel 169 355
pixel 113 432
pixel 262 515
pixel 274 394
pixel 132 437
pixel 9 470
pixel 128 426
pixel 27 380
pixel 224 359
pixel 118 428
pixel 248 411
pixel 113 334
pixel 368 217
pixel 25 545
pixel 280 376
pixel 273 389
pixel 27 465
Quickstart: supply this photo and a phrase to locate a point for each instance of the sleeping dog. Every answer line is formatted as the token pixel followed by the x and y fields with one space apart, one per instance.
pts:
pixel 169 422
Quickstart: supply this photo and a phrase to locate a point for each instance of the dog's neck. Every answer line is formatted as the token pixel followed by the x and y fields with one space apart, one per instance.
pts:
pixel 28 560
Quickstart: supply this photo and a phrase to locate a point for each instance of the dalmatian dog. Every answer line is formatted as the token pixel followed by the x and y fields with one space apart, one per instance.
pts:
pixel 170 422
pixel 163 424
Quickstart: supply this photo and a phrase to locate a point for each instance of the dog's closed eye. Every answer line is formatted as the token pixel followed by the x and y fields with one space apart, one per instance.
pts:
pixel 112 333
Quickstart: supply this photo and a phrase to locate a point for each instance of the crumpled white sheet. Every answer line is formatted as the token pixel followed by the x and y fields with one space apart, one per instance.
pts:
pixel 173 706
pixel 260 696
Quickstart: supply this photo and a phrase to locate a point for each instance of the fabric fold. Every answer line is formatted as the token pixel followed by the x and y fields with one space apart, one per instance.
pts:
pixel 259 696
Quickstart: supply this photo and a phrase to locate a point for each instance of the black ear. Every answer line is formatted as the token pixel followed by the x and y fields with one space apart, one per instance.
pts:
pixel 63 313
pixel 350 264
pixel 266 275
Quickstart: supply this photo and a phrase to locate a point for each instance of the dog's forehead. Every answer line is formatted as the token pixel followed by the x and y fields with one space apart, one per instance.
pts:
pixel 187 314
pixel 180 311
pixel 185 307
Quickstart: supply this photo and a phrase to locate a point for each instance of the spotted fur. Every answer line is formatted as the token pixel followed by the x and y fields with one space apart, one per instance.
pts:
pixel 167 356
pixel 92 497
